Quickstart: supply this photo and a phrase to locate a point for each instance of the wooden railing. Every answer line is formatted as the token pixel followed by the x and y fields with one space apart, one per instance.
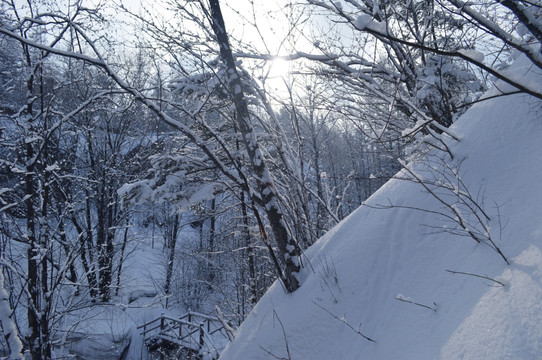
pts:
pixel 190 331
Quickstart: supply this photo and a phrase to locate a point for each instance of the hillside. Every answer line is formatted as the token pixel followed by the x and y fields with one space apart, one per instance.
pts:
pixel 364 276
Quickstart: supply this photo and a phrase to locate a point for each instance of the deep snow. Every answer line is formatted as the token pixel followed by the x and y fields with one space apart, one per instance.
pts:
pixel 360 268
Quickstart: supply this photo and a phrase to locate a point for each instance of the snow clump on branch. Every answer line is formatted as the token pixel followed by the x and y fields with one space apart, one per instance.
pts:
pixel 367 22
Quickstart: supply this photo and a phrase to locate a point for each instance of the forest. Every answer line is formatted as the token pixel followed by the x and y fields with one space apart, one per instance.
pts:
pixel 222 139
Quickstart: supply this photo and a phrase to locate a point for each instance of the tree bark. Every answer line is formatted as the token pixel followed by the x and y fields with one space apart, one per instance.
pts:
pixel 288 248
pixel 250 253
pixel 34 308
pixel 171 243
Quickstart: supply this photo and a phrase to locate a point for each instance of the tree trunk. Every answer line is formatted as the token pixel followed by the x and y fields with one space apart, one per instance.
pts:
pixel 89 272
pixel 250 252
pixel 46 292
pixel 171 241
pixel 288 248
pixel 101 243
pixel 212 233
pixel 9 328
pixel 121 260
pixel 34 308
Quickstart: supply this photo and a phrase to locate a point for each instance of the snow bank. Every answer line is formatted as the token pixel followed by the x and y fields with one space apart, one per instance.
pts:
pixel 364 269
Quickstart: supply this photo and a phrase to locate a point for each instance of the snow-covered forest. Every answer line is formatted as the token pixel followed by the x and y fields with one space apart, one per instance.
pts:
pixel 313 179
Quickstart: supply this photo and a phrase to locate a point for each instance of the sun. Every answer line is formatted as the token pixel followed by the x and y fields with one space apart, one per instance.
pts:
pixel 279 68
pixel 277 76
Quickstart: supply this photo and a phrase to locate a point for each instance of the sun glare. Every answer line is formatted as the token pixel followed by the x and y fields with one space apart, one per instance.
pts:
pixel 279 68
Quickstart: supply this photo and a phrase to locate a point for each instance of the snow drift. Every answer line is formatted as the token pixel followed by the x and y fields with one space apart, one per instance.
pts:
pixel 395 275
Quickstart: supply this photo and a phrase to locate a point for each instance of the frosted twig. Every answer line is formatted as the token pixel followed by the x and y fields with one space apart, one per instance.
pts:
pixel 285 340
pixel 273 355
pixel 400 298
pixel 343 320
pixel 475 275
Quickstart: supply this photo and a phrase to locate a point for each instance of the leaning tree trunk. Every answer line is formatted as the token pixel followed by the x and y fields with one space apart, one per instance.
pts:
pixel 288 248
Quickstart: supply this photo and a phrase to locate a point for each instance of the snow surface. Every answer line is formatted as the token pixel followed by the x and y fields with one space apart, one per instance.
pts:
pixel 361 270
pixel 104 332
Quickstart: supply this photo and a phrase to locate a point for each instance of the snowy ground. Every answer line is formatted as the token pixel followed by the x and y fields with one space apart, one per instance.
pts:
pixel 103 332
pixel 359 277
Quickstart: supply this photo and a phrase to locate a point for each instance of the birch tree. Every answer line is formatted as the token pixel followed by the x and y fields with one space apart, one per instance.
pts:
pixel 288 248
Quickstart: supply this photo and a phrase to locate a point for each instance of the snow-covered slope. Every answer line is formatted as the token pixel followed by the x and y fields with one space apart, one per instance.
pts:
pixel 359 269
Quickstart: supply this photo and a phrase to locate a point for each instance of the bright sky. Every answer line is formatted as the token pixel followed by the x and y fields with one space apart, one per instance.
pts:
pixel 261 25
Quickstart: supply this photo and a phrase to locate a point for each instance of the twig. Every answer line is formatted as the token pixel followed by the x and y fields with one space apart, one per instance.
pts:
pixel 400 298
pixel 283 334
pixel 475 275
pixel 285 340
pixel 273 355
pixel 344 322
